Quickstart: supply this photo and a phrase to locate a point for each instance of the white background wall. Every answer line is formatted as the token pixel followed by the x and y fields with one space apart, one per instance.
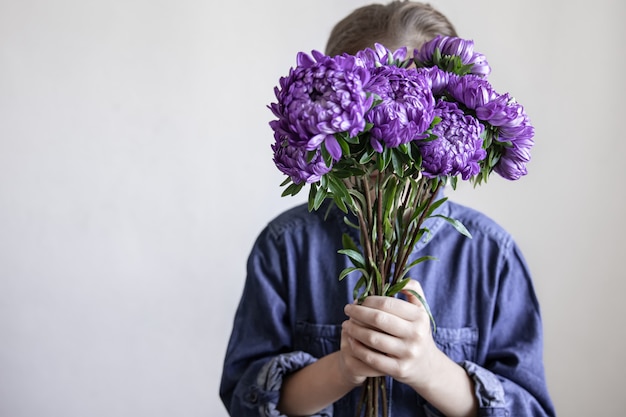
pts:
pixel 135 172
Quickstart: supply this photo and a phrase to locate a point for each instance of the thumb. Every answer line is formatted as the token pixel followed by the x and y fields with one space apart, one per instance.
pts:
pixel 414 293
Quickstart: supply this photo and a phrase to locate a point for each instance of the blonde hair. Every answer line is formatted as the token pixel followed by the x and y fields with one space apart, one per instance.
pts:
pixel 397 24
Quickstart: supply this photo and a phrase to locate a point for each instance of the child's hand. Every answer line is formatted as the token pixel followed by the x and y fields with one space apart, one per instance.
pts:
pixel 352 368
pixel 390 336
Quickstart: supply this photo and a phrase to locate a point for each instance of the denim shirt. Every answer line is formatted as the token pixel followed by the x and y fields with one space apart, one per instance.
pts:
pixel 479 291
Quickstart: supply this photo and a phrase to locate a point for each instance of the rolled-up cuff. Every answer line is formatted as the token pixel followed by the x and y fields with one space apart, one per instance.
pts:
pixel 266 393
pixel 488 390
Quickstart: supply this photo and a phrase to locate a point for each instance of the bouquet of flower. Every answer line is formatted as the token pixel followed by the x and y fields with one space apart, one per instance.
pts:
pixel 380 133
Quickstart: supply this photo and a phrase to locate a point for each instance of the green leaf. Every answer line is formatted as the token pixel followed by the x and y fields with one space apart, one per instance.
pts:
pixel 293 189
pixel 434 183
pixel 388 231
pixel 368 288
pixel 389 196
pixel 453 181
pixel 340 204
pixel 312 193
pixel 354 140
pixel 424 231
pixel 465 69
pixel 350 165
pixel 488 138
pixel 326 156
pixel 338 188
pixel 358 195
pixel 345 147
pixel 436 56
pixel 456 224
pixel 415 262
pixel 436 121
pixel 494 157
pixel 434 206
pixel 348 271
pixel 415 153
pixel 319 198
pixel 347 241
pixel 420 260
pixel 324 181
pixel 363 286
pixel 357 287
pixel 379 278
pixel 397 287
pixel 430 138
pixel 397 163
pixel 327 212
pixel 355 256
pixel 384 159
pixel 367 156
pixel 350 224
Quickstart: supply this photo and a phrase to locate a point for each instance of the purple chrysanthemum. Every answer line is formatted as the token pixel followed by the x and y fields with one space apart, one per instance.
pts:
pixel 406 109
pixel 500 111
pixel 293 162
pixel 458 147
pixel 447 45
pixel 471 91
pixel 322 96
pixel 480 65
pixel 509 116
pixel 437 79
pixel 512 163
pixel 453 46
pixel 379 56
pixel 513 128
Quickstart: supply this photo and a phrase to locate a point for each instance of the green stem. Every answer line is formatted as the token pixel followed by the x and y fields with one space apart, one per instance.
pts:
pixel 416 230
pixel 362 399
pixel 379 231
pixel 365 236
pixel 376 391
pixel 384 392
pixel 400 203
pixel 368 199
pixel 370 397
pixel 402 242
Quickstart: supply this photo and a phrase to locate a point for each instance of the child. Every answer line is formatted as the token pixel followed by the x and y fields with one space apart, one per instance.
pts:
pixel 300 346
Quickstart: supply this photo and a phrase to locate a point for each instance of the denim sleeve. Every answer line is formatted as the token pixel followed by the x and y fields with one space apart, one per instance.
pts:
pixel 510 380
pixel 488 390
pixel 260 350
pixel 258 391
pixel 508 373
pixel 259 332
pixel 270 379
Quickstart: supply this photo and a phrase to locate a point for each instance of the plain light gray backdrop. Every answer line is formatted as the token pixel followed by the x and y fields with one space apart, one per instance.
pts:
pixel 135 173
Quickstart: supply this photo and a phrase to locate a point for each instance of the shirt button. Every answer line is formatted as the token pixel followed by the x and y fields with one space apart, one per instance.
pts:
pixel 253 397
